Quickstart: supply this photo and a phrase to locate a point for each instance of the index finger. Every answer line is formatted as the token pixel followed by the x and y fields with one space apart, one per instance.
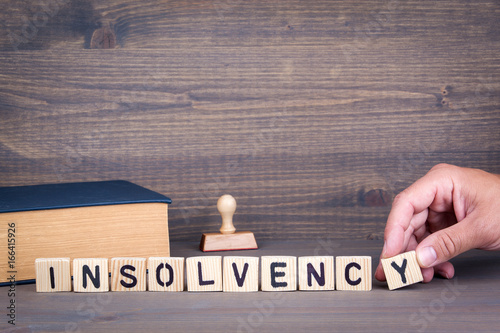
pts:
pixel 435 190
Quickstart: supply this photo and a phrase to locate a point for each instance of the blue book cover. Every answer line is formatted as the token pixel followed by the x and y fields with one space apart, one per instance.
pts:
pixel 69 195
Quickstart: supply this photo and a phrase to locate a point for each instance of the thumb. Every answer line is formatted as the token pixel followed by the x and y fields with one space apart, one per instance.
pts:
pixel 445 244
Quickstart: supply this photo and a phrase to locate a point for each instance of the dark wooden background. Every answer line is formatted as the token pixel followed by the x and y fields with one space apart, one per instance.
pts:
pixel 313 114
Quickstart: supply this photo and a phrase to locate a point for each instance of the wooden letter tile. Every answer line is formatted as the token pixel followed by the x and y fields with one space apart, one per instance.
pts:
pixel 316 273
pixel 165 274
pixel 354 273
pixel 204 273
pixel 402 270
pixel 90 275
pixel 279 273
pixel 52 275
pixel 128 274
pixel 241 274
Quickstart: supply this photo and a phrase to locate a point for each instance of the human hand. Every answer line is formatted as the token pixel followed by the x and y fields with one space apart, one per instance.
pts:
pixel 447 212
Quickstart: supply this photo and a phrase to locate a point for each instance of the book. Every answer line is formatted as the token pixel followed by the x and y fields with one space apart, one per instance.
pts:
pixel 91 219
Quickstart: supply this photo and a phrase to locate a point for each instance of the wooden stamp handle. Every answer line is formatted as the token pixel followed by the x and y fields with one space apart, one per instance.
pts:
pixel 227 206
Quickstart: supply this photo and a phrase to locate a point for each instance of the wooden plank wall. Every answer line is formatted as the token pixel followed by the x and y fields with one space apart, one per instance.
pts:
pixel 312 114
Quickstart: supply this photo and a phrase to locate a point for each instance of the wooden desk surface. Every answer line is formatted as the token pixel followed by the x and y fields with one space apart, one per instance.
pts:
pixel 468 303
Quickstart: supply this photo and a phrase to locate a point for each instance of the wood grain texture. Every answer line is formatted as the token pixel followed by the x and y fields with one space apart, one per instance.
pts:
pixel 467 303
pixel 93 232
pixel 204 273
pixel 241 240
pixel 353 273
pixel 90 275
pixel 278 273
pixel 128 274
pixel 316 273
pixel 402 270
pixel 52 275
pixel 240 274
pixel 170 276
pixel 312 114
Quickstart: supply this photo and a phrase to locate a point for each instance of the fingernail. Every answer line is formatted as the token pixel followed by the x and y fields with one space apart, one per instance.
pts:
pixel 443 274
pixel 426 256
pixel 384 248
